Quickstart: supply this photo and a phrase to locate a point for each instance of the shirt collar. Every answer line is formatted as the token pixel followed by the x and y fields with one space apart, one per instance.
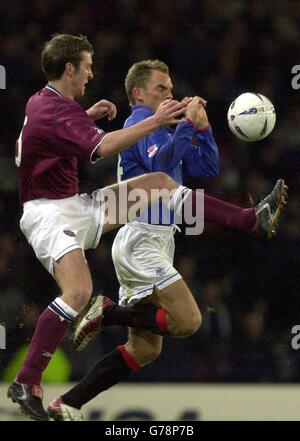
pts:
pixel 141 108
pixel 53 89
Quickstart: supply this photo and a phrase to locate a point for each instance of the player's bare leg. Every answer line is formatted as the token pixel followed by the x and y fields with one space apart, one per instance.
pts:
pixel 72 275
pixel 141 348
pixel 261 221
pixel 183 315
pixel 146 182
pixel 171 311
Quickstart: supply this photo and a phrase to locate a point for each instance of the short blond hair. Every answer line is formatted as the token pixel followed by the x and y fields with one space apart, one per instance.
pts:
pixel 139 74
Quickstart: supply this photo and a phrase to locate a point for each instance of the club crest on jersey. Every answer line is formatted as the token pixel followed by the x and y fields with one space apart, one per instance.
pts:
pixel 98 130
pixel 69 233
pixel 152 150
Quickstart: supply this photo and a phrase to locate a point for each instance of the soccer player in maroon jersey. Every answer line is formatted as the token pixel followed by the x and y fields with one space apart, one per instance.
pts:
pixel 60 224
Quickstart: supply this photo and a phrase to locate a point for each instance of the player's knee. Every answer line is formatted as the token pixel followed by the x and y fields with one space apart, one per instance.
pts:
pixel 196 322
pixel 162 180
pixel 188 326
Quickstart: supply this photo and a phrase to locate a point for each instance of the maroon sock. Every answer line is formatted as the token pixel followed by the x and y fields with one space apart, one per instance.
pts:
pixel 225 214
pixel 49 332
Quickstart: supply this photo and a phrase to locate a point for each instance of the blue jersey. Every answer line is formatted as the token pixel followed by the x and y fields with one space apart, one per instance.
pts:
pixel 182 152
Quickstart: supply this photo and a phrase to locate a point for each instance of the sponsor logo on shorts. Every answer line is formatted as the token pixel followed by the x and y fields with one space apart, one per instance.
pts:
pixel 160 271
pixel 69 233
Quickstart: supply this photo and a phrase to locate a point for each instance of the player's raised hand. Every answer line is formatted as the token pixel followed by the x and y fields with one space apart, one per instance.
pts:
pixel 196 112
pixel 168 112
pixel 101 109
pixel 187 99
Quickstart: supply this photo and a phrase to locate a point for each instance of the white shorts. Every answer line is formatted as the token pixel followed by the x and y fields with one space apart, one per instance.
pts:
pixel 143 257
pixel 54 227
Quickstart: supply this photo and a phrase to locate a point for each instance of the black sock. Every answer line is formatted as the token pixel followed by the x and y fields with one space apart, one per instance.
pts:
pixel 109 371
pixel 144 316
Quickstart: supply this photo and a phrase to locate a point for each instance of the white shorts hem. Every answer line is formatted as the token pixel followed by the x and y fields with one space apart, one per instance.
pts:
pixel 61 254
pixel 148 291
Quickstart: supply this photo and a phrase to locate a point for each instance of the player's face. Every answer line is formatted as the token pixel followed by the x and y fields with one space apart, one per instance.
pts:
pixel 82 75
pixel 158 88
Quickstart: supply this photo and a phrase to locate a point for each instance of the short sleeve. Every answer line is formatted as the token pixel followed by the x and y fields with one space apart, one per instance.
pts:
pixel 76 135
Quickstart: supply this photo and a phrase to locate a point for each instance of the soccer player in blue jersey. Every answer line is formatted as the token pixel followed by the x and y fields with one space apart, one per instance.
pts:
pixel 157 300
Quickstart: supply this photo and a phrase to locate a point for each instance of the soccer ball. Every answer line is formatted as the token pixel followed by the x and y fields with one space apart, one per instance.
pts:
pixel 251 116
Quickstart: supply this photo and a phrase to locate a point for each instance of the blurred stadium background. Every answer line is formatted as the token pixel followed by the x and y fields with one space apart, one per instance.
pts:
pixel 248 289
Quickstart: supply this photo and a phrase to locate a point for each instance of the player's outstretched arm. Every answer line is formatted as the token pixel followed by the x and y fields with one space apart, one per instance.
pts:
pixel 203 161
pixel 167 113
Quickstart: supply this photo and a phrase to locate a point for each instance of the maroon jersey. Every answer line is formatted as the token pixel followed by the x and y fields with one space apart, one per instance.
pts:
pixel 57 133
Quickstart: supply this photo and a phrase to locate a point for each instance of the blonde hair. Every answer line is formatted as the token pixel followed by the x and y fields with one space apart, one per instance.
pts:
pixel 139 74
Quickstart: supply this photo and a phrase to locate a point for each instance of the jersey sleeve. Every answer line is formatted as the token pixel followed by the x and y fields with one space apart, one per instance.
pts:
pixel 76 135
pixel 197 149
pixel 202 157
